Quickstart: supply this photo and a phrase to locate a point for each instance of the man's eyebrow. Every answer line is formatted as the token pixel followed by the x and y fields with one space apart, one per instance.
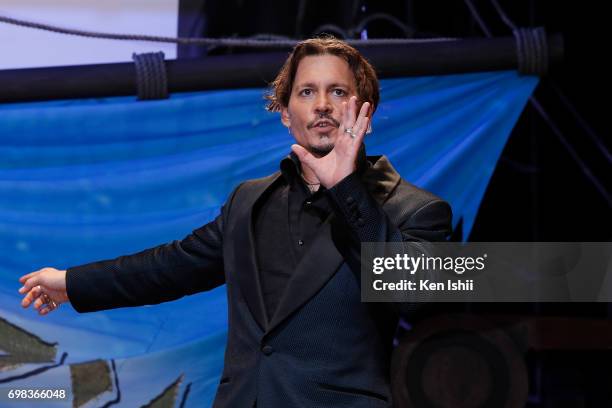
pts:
pixel 313 85
pixel 339 85
pixel 306 85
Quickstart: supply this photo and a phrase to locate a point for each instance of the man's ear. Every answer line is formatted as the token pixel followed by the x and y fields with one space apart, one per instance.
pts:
pixel 285 117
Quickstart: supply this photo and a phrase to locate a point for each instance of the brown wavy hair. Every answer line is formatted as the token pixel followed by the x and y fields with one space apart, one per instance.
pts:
pixel 365 75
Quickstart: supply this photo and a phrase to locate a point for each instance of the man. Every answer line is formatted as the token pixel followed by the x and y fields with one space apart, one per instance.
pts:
pixel 287 246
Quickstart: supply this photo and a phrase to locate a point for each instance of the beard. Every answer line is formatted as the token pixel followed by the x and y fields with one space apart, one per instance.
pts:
pixel 325 143
pixel 323 148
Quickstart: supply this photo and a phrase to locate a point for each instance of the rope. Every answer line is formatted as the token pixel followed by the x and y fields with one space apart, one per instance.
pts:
pixel 534 102
pixel 503 15
pixel 531 44
pixel 151 80
pixel 408 31
pixel 532 51
pixel 583 123
pixel 227 42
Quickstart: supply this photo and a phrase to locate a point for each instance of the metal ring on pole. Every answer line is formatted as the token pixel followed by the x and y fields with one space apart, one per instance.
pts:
pixel 151 79
pixel 532 51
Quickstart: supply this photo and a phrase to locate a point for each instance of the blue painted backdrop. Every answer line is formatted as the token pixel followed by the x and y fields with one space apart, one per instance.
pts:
pixel 92 179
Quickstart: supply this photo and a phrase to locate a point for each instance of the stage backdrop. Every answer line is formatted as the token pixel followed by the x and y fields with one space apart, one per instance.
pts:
pixel 84 180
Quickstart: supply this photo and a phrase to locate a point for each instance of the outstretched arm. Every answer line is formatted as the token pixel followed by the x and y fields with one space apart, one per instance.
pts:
pixel 155 275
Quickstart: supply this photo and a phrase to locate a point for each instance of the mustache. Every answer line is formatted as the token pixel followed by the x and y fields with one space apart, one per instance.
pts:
pixel 323 118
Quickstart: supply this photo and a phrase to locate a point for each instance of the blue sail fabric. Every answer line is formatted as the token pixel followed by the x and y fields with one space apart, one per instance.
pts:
pixel 84 180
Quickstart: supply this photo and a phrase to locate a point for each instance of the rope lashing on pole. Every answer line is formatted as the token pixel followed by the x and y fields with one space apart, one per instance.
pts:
pixel 151 79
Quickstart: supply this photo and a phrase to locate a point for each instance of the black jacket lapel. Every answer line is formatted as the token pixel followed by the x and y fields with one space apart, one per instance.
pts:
pixel 316 267
pixel 245 260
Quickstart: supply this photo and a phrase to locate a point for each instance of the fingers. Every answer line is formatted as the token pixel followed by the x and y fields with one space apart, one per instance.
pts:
pixel 38 293
pixel 352 108
pixel 45 310
pixel 359 128
pixel 40 301
pixel 362 122
pixel 29 283
pixel 32 295
pixel 350 112
pixel 45 304
pixel 357 124
pixel 29 275
pixel 302 154
pixel 349 109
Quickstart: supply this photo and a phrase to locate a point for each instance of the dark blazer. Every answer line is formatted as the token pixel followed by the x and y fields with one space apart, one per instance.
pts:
pixel 323 347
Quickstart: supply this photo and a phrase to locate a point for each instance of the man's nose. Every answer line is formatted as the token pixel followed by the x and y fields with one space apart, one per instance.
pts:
pixel 323 105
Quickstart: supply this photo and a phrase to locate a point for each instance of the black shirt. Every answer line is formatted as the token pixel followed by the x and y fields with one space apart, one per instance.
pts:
pixel 285 222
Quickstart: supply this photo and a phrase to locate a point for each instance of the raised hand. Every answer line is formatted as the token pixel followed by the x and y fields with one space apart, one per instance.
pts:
pixel 46 288
pixel 341 161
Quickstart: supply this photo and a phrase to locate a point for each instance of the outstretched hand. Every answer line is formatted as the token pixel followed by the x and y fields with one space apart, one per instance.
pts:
pixel 46 288
pixel 341 161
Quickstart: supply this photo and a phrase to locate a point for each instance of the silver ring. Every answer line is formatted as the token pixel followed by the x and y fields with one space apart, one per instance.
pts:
pixel 53 304
pixel 350 132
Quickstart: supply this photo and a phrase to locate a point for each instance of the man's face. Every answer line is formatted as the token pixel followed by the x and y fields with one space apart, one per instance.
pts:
pixel 321 84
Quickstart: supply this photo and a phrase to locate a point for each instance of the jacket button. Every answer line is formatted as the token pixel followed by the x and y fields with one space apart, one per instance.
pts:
pixel 349 200
pixel 267 350
pixel 360 222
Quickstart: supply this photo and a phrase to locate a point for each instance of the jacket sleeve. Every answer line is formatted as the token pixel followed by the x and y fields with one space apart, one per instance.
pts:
pixel 366 220
pixel 363 220
pixel 159 274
